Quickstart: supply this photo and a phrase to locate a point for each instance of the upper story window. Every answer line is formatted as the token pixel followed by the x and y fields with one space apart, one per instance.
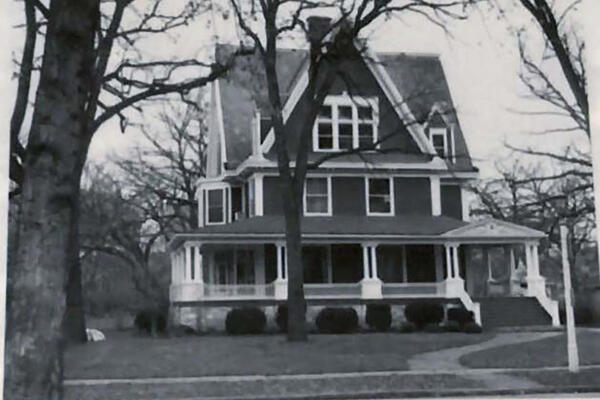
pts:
pixel 439 141
pixel 216 200
pixel 380 196
pixel 317 196
pixel 345 123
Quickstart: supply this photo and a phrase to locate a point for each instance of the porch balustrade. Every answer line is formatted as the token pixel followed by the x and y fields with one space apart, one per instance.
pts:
pixel 424 289
pixel 326 290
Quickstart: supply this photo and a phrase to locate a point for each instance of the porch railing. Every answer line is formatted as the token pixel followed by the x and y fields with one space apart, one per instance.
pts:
pixel 416 289
pixel 239 291
pixel 332 290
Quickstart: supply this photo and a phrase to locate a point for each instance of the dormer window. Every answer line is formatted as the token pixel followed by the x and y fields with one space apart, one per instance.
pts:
pixel 215 206
pixel 438 139
pixel 346 123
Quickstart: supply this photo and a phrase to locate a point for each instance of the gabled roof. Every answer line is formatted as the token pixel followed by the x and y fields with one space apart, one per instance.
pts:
pixel 489 229
pixel 418 78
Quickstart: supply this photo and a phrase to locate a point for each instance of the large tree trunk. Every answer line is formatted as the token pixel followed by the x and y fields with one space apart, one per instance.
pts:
pixel 74 320
pixel 56 152
pixel 296 301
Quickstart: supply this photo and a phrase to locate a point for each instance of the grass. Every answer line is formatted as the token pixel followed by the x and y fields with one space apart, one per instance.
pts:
pixel 551 352
pixel 124 356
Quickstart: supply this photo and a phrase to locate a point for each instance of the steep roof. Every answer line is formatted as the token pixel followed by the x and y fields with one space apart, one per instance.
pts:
pixel 419 78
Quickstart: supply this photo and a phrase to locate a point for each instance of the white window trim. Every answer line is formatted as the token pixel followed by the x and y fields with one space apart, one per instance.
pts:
pixel 354 102
pixel 444 133
pixel 392 211
pixel 329 198
pixel 226 193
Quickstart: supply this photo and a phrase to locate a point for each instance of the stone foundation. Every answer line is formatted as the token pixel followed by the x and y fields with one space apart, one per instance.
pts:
pixel 210 319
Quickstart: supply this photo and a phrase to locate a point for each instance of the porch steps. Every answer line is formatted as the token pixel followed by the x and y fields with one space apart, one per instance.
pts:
pixel 512 312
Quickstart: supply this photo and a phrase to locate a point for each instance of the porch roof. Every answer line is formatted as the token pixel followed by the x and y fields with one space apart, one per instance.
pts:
pixel 413 228
pixel 363 227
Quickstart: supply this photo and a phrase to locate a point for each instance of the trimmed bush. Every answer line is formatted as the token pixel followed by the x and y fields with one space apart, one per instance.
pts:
pixel 460 315
pixel 407 327
pixel 337 320
pixel 150 322
pixel 245 321
pixel 379 317
pixel 472 327
pixel 423 312
pixel 281 318
pixel 433 328
pixel 452 326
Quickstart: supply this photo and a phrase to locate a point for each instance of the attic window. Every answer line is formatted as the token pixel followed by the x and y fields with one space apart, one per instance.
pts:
pixel 439 141
pixel 345 123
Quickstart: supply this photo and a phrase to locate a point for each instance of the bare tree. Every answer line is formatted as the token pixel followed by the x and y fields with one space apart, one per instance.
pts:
pixel 330 44
pixel 528 195
pixel 83 82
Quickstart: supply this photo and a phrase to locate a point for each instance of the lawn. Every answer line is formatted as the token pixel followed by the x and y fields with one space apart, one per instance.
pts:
pixel 123 355
pixel 549 352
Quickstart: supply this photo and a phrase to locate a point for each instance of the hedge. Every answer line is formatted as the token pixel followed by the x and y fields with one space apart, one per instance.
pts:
pixel 245 321
pixel 379 316
pixel 337 320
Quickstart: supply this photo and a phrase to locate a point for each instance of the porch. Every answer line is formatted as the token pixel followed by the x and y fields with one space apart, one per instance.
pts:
pixel 456 265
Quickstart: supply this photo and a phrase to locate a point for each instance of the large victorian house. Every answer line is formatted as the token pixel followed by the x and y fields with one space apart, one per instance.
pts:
pixel 388 225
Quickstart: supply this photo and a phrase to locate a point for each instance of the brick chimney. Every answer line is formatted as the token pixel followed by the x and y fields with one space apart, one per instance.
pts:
pixel 318 27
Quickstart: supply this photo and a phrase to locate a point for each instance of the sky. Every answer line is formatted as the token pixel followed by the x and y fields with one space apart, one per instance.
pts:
pixel 479 56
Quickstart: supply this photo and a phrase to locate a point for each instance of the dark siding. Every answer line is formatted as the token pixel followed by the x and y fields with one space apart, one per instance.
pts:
pixel 451 201
pixel 271 196
pixel 348 195
pixel 357 79
pixel 412 196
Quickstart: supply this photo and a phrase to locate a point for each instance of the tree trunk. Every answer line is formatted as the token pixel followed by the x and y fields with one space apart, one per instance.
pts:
pixel 296 301
pixel 57 149
pixel 74 320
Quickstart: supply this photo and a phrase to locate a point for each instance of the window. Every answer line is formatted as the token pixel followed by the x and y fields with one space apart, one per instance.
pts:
pixel 437 136
pixel 215 206
pixel 380 196
pixel 317 196
pixel 251 198
pixel 345 123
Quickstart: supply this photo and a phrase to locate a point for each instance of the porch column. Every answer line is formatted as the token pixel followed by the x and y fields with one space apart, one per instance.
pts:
pixel 198 273
pixel 173 269
pixel 188 262
pixel 281 281
pixel 456 273
pixel 448 262
pixel 536 284
pixel 370 284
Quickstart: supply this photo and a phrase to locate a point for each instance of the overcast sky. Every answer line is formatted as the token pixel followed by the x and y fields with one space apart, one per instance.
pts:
pixel 479 56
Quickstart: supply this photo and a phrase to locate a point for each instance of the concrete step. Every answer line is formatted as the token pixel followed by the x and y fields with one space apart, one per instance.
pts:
pixel 512 312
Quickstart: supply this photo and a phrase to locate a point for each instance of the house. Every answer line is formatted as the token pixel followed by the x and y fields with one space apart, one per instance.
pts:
pixel 388 225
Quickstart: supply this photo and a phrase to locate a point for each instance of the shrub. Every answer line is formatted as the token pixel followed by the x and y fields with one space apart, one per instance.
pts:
pixel 407 327
pixel 582 313
pixel 424 312
pixel 181 330
pixel 281 318
pixel 452 326
pixel 244 321
pixel 472 327
pixel 379 316
pixel 433 328
pixel 460 315
pixel 150 322
pixel 337 320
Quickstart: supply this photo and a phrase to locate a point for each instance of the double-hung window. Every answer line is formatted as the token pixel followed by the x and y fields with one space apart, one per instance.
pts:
pixel 345 123
pixel 216 206
pixel 380 196
pixel 317 196
pixel 438 138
